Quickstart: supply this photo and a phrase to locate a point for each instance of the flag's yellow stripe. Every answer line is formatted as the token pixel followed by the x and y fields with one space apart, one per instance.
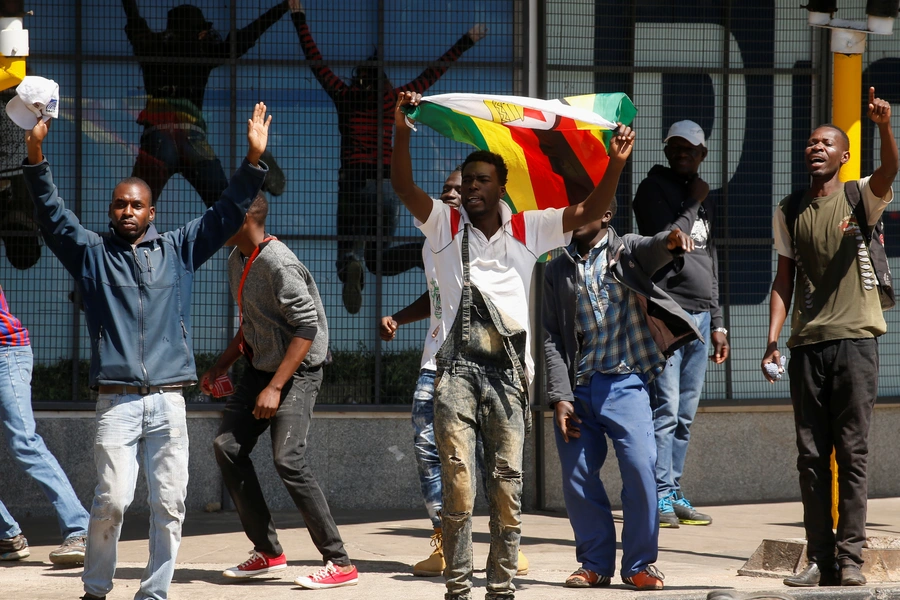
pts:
pixel 518 186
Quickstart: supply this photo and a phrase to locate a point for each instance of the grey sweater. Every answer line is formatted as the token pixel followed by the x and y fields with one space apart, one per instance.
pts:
pixel 281 302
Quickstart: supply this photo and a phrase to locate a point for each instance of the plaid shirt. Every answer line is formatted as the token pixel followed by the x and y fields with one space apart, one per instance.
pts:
pixel 613 335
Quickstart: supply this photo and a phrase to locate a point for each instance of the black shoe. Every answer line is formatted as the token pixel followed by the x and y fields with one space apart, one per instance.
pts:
pixel 851 575
pixel 353 285
pixel 812 576
pixel 92 597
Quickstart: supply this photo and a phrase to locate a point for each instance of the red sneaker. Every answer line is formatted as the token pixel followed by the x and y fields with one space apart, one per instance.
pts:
pixel 257 564
pixel 327 577
pixel 650 578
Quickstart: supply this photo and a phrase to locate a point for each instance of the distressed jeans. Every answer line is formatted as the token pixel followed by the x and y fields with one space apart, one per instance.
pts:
pixel 428 460
pixel 470 399
pixel 674 397
pixel 28 449
pixel 138 431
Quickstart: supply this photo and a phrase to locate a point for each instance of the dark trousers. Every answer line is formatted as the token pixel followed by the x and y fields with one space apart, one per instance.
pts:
pixel 833 389
pixel 290 425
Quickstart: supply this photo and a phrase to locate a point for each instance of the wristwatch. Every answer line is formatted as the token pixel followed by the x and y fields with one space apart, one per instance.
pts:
pixel 721 330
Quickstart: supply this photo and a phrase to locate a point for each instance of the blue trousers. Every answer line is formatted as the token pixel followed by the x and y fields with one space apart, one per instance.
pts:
pixel 616 406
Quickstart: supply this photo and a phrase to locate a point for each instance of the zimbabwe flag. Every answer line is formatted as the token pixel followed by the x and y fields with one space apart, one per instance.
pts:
pixel 555 149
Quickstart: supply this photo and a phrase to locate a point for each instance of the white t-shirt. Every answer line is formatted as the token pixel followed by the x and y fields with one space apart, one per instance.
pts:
pixel 874 207
pixel 434 338
pixel 501 268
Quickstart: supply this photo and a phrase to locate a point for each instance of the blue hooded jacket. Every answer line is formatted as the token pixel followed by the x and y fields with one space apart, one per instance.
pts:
pixel 137 299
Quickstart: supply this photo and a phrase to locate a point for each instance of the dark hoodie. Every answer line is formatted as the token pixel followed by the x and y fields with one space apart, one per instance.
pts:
pixel 662 203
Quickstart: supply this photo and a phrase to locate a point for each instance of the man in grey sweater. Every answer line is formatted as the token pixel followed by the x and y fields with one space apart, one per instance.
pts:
pixel 284 336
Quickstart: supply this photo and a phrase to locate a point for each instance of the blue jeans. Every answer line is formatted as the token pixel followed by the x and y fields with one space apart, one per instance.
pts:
pixel 616 406
pixel 470 399
pixel 27 448
pixel 674 396
pixel 427 459
pixel 126 423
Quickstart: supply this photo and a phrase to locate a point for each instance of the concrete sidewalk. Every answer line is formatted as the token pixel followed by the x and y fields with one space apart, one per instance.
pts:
pixel 384 545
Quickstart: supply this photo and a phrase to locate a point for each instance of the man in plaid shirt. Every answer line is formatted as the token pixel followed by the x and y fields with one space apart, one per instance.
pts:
pixel 603 347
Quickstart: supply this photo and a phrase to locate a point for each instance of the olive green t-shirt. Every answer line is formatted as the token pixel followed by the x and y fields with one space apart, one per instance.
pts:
pixel 835 291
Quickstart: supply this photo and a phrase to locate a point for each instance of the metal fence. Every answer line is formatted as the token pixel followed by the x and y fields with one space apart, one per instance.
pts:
pixel 164 93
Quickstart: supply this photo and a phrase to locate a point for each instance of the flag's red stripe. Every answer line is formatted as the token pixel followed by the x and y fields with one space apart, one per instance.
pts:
pixel 590 151
pixel 549 187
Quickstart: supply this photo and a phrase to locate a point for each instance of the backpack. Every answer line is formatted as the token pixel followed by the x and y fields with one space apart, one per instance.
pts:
pixel 874 237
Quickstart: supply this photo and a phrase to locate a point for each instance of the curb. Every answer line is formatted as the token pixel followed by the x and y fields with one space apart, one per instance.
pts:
pixel 827 593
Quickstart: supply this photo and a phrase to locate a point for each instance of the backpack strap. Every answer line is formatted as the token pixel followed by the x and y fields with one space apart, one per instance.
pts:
pixel 851 190
pixel 793 209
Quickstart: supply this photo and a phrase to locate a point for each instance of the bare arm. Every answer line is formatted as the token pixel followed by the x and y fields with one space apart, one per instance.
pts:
pixel 417 311
pixel 884 175
pixel 414 198
pixel 597 203
pixel 779 305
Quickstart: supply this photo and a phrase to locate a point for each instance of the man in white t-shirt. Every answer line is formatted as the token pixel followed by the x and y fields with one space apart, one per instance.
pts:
pixel 484 257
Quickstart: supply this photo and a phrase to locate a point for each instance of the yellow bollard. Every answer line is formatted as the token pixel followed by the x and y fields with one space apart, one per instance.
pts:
pixel 846 113
pixel 12 72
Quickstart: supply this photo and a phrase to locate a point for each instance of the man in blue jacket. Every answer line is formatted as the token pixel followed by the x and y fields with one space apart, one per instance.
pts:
pixel 136 288
pixel 609 329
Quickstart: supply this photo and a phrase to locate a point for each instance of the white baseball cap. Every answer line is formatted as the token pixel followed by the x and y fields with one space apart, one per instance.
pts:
pixel 687 130
pixel 36 98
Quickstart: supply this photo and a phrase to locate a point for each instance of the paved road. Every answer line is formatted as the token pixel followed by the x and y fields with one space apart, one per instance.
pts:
pixel 383 545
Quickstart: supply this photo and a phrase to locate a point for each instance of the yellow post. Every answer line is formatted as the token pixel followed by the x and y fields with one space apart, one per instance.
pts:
pixel 846 107
pixel 846 112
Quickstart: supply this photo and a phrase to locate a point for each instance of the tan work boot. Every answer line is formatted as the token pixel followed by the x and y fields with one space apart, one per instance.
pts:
pixel 433 566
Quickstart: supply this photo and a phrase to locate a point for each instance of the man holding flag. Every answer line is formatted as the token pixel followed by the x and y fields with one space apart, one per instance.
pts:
pixel 484 258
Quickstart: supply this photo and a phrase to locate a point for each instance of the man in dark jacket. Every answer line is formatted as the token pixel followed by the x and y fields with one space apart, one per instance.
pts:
pixel 136 285
pixel 675 197
pixel 609 330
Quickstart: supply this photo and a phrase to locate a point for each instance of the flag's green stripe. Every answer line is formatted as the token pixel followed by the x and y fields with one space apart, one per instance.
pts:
pixel 617 107
pixel 449 123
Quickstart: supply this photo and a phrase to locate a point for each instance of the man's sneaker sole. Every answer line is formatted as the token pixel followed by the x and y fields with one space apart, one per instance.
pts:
pixel 16 555
pixel 305 582
pixel 694 522
pixel 234 574
pixel 420 573
pixel 65 560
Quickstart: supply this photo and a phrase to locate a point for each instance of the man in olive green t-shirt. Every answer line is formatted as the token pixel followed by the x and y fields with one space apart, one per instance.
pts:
pixel 834 354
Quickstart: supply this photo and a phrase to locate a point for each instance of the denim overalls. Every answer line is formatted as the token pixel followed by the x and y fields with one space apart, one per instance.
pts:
pixel 481 388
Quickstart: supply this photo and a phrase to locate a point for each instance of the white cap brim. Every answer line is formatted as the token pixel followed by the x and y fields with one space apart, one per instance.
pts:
pixel 21 114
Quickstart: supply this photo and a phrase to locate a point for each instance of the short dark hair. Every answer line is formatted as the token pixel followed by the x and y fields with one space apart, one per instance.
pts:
pixel 840 131
pixel 457 169
pixel 613 207
pixel 138 182
pixel 259 209
pixel 490 158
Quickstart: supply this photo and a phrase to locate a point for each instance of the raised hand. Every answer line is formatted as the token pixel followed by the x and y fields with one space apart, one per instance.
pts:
pixel 477 32
pixel 405 98
pixel 295 6
pixel 879 110
pixel 34 140
pixel 257 133
pixel 680 240
pixel 622 143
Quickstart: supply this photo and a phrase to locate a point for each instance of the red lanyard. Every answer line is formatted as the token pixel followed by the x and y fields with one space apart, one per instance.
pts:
pixel 240 296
